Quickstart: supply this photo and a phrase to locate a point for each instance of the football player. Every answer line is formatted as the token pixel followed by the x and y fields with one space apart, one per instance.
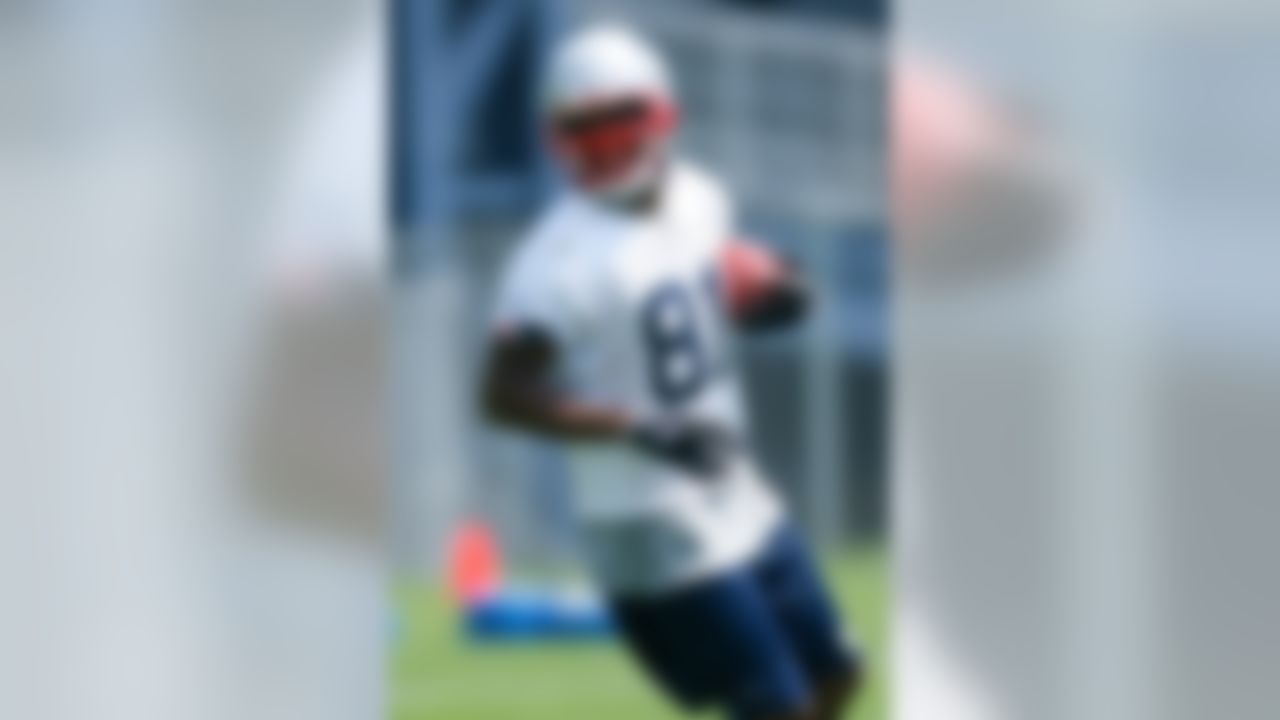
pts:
pixel 613 334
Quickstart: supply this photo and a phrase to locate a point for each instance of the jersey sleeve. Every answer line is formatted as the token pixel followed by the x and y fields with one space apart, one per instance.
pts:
pixel 724 214
pixel 714 207
pixel 530 294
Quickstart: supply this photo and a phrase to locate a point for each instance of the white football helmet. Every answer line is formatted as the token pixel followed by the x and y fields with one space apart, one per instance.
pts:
pixel 610 112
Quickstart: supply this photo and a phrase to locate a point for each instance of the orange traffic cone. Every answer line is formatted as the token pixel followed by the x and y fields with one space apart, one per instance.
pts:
pixel 475 563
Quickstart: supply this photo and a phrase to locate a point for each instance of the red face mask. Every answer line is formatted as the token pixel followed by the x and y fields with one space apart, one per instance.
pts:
pixel 603 142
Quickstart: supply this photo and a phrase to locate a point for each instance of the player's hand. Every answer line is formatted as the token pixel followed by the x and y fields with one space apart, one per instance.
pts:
pixel 762 291
pixel 704 449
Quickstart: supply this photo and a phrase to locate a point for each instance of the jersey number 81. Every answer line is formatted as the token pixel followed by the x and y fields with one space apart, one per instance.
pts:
pixel 679 365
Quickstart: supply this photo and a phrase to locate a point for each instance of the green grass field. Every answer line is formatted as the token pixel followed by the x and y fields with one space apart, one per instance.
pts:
pixel 437 675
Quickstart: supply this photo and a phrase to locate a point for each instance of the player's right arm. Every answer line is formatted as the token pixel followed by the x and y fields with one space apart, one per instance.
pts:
pixel 519 391
pixel 541 309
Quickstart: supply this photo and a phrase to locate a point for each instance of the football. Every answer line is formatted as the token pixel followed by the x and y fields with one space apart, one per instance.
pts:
pixel 748 271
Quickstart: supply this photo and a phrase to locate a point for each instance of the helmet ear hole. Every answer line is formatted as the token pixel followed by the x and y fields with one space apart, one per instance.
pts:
pixel 666 117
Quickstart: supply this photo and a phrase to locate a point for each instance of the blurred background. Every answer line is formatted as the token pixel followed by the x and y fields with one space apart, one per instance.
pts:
pixel 783 100
pixel 246 245
pixel 193 443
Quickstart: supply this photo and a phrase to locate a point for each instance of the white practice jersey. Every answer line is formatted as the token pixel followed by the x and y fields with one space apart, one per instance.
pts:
pixel 633 305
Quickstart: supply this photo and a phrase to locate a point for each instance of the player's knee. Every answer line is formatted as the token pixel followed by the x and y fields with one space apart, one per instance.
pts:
pixel 802 713
pixel 837 693
pixel 806 711
pixel 847 684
